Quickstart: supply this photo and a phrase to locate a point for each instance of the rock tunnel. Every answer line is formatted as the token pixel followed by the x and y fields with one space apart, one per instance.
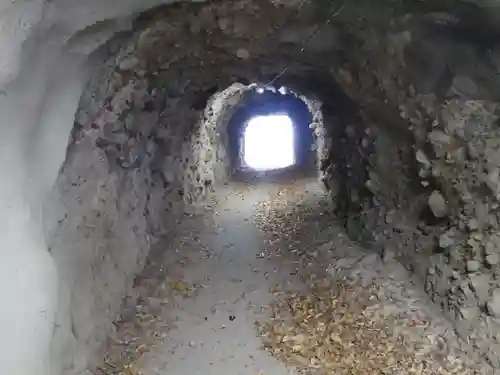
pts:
pixel 118 124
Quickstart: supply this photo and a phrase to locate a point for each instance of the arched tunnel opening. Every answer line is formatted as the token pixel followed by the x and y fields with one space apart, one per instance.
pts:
pixel 270 131
pixel 153 222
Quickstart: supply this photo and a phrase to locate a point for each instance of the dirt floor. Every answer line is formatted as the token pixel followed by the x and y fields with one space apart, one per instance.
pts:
pixel 265 282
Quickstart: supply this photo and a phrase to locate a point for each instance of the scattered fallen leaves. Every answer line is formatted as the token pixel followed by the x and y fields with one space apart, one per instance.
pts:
pixel 333 329
pixel 139 329
pixel 343 332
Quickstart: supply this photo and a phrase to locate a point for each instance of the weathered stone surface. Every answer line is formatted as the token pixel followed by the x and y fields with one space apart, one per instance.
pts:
pixel 493 305
pixel 128 63
pixel 446 240
pixel 480 285
pixel 443 118
pixel 437 203
pixel 492 259
pixel 469 313
pixel 473 265
pixel 464 85
pixel 493 245
pixel 242 53
pixel 493 356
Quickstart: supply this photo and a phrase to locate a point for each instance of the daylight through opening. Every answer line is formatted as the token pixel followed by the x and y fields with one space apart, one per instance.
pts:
pixel 269 142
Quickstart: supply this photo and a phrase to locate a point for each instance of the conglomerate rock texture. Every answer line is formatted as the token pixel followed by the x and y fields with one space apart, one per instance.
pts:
pixel 419 178
pixel 143 152
pixel 404 99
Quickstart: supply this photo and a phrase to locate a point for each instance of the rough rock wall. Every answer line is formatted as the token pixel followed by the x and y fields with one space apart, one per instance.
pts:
pixel 419 177
pixel 140 156
pixel 210 164
pixel 142 152
pixel 399 67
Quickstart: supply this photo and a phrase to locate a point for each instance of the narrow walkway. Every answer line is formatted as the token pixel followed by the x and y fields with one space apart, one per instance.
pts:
pixel 255 248
pixel 214 331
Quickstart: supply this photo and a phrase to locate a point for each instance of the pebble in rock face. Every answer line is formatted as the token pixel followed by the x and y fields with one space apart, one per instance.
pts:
pixel 464 85
pixel 445 241
pixel 129 63
pixel 493 305
pixel 437 204
pixel 492 259
pixel 480 285
pixel 473 265
pixel 243 54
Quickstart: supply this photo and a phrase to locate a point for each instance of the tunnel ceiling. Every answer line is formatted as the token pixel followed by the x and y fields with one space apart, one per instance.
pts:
pixel 197 48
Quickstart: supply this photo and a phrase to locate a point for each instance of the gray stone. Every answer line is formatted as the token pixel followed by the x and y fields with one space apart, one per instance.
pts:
pixel 129 63
pixel 466 294
pixel 431 271
pixel 492 259
pixel 242 53
pixel 469 313
pixel 422 158
pixel 439 139
pixel 456 258
pixel 480 285
pixel 493 355
pixel 437 204
pixel 463 328
pixel 445 240
pixel 493 245
pixel 223 23
pixel 493 182
pixel 388 254
pixel 473 224
pixel 473 265
pixel 389 217
pixel 463 85
pixel 493 305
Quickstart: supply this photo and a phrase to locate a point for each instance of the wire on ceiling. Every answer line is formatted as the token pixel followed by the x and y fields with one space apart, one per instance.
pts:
pixel 320 27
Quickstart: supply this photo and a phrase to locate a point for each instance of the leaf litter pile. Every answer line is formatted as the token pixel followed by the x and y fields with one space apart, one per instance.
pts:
pixel 144 323
pixel 336 327
pixel 139 329
pixel 344 332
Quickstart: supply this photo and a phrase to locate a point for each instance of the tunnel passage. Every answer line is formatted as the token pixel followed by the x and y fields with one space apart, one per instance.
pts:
pixel 264 104
pixel 410 113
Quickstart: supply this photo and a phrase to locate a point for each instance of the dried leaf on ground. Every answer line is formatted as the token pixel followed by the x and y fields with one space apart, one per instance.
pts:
pixel 344 332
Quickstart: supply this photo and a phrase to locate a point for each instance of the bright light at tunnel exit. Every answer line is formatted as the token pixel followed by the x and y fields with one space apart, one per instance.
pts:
pixel 269 143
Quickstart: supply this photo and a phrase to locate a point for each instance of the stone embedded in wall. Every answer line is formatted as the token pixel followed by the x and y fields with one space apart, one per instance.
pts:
pixel 473 265
pixel 438 205
pixel 128 63
pixel 429 98
pixel 493 305
pixel 480 285
pixel 464 86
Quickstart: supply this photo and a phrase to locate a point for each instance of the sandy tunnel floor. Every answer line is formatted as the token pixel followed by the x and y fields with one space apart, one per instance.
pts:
pixel 264 282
